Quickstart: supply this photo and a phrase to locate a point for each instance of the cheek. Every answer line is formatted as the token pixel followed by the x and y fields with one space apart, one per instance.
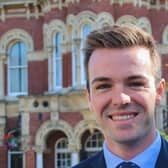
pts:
pixel 99 103
pixel 147 100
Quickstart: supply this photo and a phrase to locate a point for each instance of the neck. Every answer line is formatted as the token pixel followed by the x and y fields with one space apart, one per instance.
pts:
pixel 129 150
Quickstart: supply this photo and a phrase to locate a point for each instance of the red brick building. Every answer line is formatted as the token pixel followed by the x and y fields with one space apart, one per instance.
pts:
pixel 44 117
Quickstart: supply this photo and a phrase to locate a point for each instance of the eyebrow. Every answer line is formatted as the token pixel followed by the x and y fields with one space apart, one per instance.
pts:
pixel 100 79
pixel 103 79
pixel 134 77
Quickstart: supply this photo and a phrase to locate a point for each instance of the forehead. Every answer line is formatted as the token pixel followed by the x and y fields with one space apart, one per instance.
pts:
pixel 104 62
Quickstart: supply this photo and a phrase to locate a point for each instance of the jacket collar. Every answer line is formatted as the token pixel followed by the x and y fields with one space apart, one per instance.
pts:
pixel 162 160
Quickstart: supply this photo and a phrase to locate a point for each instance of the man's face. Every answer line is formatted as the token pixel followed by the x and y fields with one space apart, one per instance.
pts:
pixel 123 94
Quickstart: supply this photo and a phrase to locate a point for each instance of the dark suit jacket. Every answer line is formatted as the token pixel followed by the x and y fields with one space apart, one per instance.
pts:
pixel 98 161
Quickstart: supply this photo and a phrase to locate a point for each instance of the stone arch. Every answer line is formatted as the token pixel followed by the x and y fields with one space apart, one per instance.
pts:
pixel 50 29
pixel 84 17
pixel 104 19
pixel 47 127
pixel 145 24
pixel 127 19
pixel 14 35
pixel 165 35
pixel 81 127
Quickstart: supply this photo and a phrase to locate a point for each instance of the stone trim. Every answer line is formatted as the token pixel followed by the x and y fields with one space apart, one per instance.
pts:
pixel 14 35
pixel 47 127
pixel 80 128
pixel 141 22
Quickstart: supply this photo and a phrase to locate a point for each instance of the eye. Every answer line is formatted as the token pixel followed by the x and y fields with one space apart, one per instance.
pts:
pixel 137 84
pixel 103 86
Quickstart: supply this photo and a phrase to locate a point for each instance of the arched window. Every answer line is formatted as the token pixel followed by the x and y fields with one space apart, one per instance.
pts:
pixel 17 69
pixel 94 143
pixel 62 155
pixel 57 61
pixel 86 29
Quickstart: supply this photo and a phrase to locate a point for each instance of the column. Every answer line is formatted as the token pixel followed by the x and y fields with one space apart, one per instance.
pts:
pixel 76 61
pixel 2 57
pixel 39 160
pixel 74 158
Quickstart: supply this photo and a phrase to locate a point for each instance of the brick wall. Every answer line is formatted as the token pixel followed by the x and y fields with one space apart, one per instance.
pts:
pixel 30 159
pixel 67 70
pixel 38 77
pixel 72 118
pixel 35 123
pixel 3 157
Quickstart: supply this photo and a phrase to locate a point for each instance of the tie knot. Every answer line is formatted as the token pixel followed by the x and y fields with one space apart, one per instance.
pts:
pixel 127 165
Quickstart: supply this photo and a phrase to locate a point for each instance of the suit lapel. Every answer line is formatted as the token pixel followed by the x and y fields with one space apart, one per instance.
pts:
pixel 162 160
pixel 98 161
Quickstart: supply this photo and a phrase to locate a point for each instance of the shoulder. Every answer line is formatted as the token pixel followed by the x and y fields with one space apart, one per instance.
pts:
pixel 164 145
pixel 98 157
pixel 163 155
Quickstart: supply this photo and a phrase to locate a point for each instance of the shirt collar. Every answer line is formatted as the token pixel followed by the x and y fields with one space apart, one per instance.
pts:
pixel 144 159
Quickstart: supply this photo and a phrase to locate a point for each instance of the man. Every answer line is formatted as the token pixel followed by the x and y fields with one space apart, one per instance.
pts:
pixel 124 86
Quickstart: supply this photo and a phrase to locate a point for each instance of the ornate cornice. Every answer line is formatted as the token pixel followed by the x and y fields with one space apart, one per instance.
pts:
pixel 36 8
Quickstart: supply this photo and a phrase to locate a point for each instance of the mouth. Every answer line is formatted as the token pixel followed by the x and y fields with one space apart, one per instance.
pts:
pixel 122 117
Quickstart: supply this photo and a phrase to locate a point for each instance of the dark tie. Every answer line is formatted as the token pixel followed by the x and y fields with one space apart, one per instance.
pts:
pixel 127 165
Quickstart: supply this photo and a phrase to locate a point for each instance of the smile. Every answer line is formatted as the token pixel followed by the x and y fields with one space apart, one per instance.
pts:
pixel 122 117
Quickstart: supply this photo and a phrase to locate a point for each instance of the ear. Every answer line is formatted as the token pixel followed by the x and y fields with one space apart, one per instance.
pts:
pixel 160 91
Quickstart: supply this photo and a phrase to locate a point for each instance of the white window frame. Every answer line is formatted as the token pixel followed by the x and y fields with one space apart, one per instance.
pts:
pixel 59 59
pixel 61 151
pixel 10 93
pixel 15 152
pixel 89 140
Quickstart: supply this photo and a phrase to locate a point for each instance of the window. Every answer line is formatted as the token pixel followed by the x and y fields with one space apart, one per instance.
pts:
pixel 15 159
pixel 57 61
pixel 94 143
pixel 85 31
pixel 62 155
pixel 17 69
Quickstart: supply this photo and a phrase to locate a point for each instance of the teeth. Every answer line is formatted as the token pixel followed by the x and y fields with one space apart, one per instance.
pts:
pixel 123 117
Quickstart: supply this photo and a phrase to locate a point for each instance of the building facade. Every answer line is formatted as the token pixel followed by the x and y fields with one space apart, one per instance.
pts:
pixel 44 116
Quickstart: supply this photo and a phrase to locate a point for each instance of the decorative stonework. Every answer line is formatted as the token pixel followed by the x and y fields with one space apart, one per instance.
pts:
pixel 162 48
pixel 81 127
pixel 104 19
pixel 15 35
pixel 49 30
pixel 25 123
pixel 2 121
pixel 2 131
pixel 62 102
pixel 141 22
pixel 40 7
pixel 144 23
pixel 19 8
pixel 126 19
pixel 49 126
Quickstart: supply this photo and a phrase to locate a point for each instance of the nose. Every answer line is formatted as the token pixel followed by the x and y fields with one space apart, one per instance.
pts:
pixel 119 96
